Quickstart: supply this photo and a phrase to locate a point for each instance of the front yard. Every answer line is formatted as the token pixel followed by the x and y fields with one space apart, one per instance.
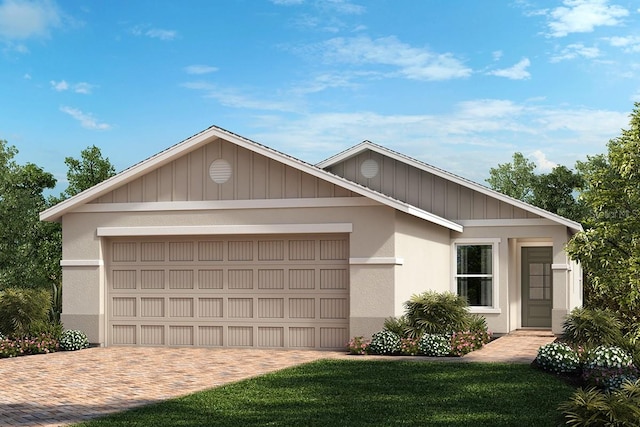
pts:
pixel 376 393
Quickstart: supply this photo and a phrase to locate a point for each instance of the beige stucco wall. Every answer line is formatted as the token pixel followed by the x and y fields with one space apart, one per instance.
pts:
pixel 426 254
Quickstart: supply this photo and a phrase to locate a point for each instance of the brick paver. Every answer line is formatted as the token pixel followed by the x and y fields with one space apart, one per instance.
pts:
pixel 67 387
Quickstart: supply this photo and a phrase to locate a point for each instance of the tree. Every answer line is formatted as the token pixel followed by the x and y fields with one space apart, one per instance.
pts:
pixel 609 248
pixel 555 191
pixel 514 179
pixel 89 170
pixel 26 258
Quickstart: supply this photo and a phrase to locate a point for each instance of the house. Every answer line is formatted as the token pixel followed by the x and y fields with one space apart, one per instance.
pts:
pixel 221 241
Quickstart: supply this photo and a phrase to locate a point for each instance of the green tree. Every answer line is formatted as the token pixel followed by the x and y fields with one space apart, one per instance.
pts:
pixel 26 258
pixel 89 170
pixel 515 179
pixel 609 248
pixel 554 191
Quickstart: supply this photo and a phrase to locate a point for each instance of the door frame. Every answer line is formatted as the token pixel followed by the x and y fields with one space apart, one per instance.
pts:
pixel 519 246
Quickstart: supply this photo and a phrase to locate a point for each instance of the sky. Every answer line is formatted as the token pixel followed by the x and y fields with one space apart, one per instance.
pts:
pixel 458 84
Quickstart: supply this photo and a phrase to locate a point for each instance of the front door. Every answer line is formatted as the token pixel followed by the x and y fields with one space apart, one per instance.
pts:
pixel 537 286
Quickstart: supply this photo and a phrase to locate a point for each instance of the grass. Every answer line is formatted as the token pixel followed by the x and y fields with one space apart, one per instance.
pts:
pixel 374 393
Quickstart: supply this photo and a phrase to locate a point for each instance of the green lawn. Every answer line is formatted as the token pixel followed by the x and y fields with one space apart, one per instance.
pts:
pixel 375 393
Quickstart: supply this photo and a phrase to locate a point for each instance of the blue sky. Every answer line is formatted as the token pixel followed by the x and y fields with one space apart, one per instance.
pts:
pixel 459 84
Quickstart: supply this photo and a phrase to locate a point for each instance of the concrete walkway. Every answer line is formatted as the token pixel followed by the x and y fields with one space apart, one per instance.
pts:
pixel 67 387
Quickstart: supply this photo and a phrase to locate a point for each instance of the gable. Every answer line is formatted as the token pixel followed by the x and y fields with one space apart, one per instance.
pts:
pixel 253 176
pixel 426 190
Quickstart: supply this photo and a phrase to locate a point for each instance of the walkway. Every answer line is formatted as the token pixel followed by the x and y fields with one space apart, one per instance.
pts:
pixel 68 387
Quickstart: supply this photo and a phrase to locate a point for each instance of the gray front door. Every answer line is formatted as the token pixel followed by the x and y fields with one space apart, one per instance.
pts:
pixel 537 286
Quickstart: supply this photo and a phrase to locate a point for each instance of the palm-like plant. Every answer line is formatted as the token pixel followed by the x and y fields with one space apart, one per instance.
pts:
pixel 23 311
pixel 436 313
pixel 592 327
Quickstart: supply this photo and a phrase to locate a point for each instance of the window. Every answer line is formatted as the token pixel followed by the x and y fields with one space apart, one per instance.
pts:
pixel 474 275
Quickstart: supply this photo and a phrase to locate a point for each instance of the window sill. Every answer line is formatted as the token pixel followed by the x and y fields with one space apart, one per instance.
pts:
pixel 485 310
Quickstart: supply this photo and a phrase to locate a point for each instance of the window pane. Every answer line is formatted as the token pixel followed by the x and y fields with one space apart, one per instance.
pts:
pixel 477 290
pixel 474 259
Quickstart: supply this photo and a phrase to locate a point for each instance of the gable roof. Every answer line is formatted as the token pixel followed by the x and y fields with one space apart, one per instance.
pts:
pixel 368 145
pixel 54 213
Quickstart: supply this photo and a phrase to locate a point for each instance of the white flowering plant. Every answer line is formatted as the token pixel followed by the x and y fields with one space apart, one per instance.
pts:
pixel 385 342
pixel 72 340
pixel 558 358
pixel 435 344
pixel 609 367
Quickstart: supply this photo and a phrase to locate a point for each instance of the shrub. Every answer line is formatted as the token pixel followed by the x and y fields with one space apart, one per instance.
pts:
pixel 2 337
pixel 436 313
pixel 358 345
pixel 397 325
pixel 40 344
pixel 608 367
pixel 592 327
pixel 435 345
pixel 23 311
pixel 73 340
pixel 558 357
pixel 466 342
pixel 595 407
pixel 477 323
pixel 385 342
pixel 409 346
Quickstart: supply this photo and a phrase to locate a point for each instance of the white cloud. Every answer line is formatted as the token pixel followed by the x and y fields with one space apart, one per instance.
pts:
pixel 27 76
pixel 583 16
pixel 154 33
pixel 628 44
pixel 200 69
pixel 342 6
pixel 517 72
pixel 496 54
pixel 576 50
pixel 60 86
pixel 542 162
pixel 158 33
pixel 86 120
pixel 26 19
pixel 82 87
pixel 468 140
pixel 287 2
pixel 410 62
pixel 236 99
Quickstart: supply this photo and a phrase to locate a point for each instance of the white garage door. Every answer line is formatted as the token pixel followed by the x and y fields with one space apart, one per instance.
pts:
pixel 259 291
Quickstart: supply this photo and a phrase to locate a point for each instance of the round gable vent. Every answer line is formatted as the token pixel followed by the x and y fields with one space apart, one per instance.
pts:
pixel 369 168
pixel 220 171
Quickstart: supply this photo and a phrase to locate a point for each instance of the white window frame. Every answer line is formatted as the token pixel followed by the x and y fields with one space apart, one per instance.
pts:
pixel 495 251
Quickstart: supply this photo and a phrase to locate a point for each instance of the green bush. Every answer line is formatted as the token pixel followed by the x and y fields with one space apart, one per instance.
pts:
pixel 477 323
pixel 23 312
pixel 435 344
pixel 592 327
pixel 558 358
pixel 595 407
pixel 436 313
pixel 358 345
pixel 72 340
pixel 385 342
pixel 397 325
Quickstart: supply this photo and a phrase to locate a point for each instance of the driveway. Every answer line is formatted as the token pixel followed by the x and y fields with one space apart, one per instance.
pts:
pixel 68 387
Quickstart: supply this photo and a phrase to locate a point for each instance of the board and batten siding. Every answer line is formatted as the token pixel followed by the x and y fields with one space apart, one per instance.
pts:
pixel 426 190
pixel 254 176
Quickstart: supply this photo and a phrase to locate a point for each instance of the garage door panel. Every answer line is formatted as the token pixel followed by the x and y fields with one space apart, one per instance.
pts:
pixel 272 292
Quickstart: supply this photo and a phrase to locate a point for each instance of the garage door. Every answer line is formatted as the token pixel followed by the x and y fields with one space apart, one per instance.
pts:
pixel 261 291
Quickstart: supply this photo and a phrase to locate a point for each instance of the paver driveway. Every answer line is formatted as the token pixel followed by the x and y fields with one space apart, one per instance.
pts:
pixel 67 387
